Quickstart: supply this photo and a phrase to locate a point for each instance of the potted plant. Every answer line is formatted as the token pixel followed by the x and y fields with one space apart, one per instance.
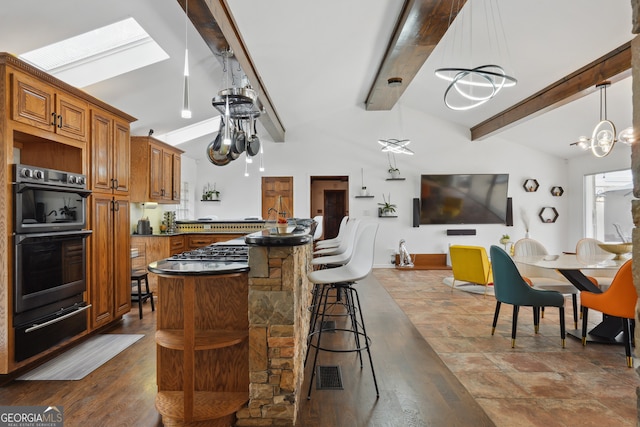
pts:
pixel 505 239
pixel 393 168
pixel 394 172
pixel 386 208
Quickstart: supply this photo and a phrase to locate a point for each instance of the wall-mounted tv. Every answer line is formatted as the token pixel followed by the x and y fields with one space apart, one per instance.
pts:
pixel 463 198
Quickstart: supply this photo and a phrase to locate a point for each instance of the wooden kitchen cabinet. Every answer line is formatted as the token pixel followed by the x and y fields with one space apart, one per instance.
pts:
pixel 156 249
pixel 202 349
pixel 195 241
pixel 48 123
pixel 110 153
pixel 40 105
pixel 157 176
pixel 110 262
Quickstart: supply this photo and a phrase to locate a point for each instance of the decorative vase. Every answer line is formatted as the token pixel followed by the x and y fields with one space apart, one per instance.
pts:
pixel 282 228
pixel 364 192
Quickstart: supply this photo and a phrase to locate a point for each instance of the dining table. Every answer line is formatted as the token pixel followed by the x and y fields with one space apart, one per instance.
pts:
pixel 570 265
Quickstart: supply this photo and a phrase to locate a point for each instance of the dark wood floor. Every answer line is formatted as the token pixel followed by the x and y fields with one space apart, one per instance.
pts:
pixel 416 388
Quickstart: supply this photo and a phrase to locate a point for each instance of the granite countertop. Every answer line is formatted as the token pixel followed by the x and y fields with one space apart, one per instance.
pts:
pixel 295 236
pixel 196 268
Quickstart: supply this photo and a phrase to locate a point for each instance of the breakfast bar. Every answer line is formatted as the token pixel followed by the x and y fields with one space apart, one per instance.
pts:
pixel 231 333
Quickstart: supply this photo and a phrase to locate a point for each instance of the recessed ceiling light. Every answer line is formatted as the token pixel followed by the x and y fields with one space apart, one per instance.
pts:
pixel 99 54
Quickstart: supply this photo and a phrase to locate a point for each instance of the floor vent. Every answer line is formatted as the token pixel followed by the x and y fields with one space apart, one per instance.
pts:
pixel 329 326
pixel 329 378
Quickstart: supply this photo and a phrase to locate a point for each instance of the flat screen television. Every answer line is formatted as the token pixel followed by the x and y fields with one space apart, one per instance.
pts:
pixel 464 198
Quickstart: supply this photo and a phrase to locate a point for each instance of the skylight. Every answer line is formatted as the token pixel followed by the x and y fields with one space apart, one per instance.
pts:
pixel 99 54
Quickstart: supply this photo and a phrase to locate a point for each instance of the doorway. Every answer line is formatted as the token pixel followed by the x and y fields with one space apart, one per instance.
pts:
pixel 330 198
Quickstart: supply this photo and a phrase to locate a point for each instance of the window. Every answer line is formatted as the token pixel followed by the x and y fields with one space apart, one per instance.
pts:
pixel 608 206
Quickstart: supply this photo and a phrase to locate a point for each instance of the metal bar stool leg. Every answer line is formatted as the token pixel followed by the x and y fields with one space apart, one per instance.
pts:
pixel 367 340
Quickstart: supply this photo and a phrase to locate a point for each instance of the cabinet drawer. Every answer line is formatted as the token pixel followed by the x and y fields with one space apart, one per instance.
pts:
pixel 195 242
pixel 176 245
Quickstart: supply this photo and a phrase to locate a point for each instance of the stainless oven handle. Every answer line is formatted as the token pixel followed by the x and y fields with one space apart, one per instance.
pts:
pixel 56 320
pixel 22 187
pixel 80 233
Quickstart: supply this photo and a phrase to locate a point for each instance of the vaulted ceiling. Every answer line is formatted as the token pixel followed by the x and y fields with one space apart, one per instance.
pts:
pixel 307 58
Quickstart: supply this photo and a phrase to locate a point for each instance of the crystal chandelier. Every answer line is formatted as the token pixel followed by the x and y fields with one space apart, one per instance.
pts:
pixel 603 137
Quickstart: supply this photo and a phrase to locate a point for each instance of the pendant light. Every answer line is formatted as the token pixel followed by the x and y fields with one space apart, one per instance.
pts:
pixel 392 144
pixel 186 106
pixel 603 138
pixel 472 86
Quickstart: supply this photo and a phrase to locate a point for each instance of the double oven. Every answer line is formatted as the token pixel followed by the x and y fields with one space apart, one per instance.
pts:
pixel 49 257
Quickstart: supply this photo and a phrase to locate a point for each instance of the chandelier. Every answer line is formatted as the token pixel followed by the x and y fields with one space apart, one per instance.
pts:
pixel 239 108
pixel 470 87
pixel 394 145
pixel 603 137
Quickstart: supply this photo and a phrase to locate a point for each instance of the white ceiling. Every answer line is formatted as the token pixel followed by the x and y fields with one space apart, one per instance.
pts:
pixel 320 56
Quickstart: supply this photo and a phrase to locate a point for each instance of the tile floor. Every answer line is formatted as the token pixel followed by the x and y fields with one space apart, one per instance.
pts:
pixel 538 383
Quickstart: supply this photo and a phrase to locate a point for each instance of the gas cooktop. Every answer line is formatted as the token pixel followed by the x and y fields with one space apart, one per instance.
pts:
pixel 215 252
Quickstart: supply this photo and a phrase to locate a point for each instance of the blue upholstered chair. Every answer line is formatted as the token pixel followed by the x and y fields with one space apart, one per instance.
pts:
pixel 511 288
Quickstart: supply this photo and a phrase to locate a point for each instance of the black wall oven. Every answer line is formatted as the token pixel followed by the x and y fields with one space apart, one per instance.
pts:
pixel 49 262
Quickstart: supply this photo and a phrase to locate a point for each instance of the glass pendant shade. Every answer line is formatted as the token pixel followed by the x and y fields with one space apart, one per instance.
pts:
pixel 186 105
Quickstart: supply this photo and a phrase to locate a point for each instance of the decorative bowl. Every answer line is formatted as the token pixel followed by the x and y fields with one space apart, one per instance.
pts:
pixel 617 248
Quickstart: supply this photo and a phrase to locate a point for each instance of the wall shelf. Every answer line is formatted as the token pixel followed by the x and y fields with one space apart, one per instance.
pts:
pixel 365 197
pixel 530 185
pixel 557 191
pixel 396 179
pixel 387 216
pixel 213 200
pixel 548 215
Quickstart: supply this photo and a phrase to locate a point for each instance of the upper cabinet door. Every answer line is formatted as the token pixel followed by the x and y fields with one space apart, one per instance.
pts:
pixel 32 102
pixel 121 156
pixel 156 160
pixel 40 105
pixel 71 117
pixel 101 160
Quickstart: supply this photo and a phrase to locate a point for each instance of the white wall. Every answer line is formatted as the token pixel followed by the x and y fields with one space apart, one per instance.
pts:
pixel 341 143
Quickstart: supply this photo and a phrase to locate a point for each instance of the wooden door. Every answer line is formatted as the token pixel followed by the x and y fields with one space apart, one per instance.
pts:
pixel 274 187
pixel 121 257
pixel 101 155
pixel 176 179
pixel 155 172
pixel 122 156
pixel 167 175
pixel 101 239
pixel 33 102
pixel 334 211
pixel 72 117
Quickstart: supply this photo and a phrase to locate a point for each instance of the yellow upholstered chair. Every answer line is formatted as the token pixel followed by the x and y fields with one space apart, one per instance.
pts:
pixel 470 264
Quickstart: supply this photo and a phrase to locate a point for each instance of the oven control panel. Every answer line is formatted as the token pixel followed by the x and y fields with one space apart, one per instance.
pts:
pixel 38 175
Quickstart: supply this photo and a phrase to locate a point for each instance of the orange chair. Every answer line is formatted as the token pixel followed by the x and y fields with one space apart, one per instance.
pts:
pixel 619 300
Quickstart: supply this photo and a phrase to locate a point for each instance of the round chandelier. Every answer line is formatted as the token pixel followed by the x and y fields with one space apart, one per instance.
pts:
pixel 470 87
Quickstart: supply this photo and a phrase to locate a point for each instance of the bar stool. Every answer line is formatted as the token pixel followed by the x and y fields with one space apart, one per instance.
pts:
pixel 138 274
pixel 343 279
pixel 332 243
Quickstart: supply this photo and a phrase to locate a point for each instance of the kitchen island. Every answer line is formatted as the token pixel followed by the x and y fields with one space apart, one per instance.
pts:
pixel 231 336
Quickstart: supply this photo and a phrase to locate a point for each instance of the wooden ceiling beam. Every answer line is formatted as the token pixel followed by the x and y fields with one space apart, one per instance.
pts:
pixel 421 25
pixel 218 29
pixel 614 66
